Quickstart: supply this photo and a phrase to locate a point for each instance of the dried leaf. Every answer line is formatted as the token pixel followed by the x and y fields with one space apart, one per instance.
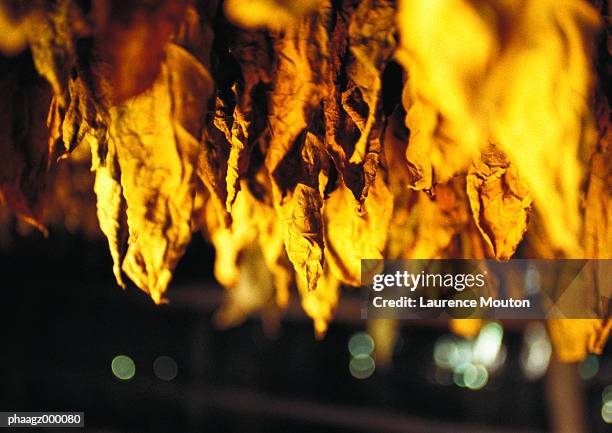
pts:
pixel 274 14
pixel 598 204
pixel 111 209
pixel 249 117
pixel 320 304
pixel 361 43
pixel 350 237
pixel 253 295
pixel 51 41
pixel 129 31
pixel 250 255
pixel 156 136
pixel 295 156
pixel 371 31
pixel 499 200
pixel 479 85
pixel 573 339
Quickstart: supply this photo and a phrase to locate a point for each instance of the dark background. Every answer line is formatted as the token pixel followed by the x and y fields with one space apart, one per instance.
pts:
pixel 64 319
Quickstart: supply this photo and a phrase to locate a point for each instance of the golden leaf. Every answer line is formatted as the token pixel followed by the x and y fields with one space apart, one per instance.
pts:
pixel 320 304
pixel 249 116
pixel 349 236
pixel 598 203
pixel 573 339
pixel 295 158
pixel 499 200
pixel 479 85
pixel 156 137
pixel 361 44
pixel 274 14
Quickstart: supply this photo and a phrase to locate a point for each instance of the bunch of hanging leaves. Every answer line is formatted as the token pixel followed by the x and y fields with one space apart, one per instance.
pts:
pixel 300 137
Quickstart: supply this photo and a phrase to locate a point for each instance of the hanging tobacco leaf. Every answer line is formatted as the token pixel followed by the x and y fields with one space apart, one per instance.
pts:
pixel 320 304
pixel 295 156
pixel 349 236
pixel 274 14
pixel 499 200
pixel 156 137
pixel 361 43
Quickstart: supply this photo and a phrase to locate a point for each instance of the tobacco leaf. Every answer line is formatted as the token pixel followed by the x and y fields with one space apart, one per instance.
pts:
pixel 125 31
pixel 476 83
pixel 573 339
pixel 499 200
pixel 70 201
pixel 23 138
pixel 250 254
pixel 157 140
pixel 360 45
pixel 598 202
pixel 111 209
pixel 443 67
pixel 295 156
pixel 434 222
pixel 196 33
pixel 14 29
pixel 320 304
pixel 51 40
pixel 349 236
pixel 250 112
pixel 85 119
pixel 274 14
pixel 212 160
pixel 371 45
pixel 252 295
pixel 559 49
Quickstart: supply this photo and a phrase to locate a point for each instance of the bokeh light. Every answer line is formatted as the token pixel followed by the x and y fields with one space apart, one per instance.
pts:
pixel 488 344
pixel 361 343
pixel 606 412
pixel 362 366
pixel 165 368
pixel 123 367
pixel 475 376
pixel 445 352
pixel 536 351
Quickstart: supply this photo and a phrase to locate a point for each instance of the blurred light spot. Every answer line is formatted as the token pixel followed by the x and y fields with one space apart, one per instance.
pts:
pixel 536 351
pixel 165 368
pixel 362 366
pixel 123 367
pixel 475 376
pixel 606 395
pixel 459 374
pixel 532 280
pixel 488 344
pixel 443 376
pixel 463 354
pixel 361 344
pixel 445 352
pixel 588 368
pixel 500 360
pixel 606 412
